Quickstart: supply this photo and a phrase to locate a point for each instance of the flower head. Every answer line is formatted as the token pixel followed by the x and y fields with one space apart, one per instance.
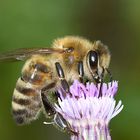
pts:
pixel 89 108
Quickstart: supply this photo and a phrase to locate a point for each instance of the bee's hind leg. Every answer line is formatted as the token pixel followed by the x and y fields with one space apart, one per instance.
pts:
pixel 58 119
pixel 49 109
pixel 62 124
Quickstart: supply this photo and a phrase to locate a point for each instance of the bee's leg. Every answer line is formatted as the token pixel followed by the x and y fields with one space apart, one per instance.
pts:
pixel 48 106
pixel 110 75
pixel 58 119
pixel 81 71
pixel 49 109
pixel 61 123
pixel 58 95
pixel 96 78
pixel 61 75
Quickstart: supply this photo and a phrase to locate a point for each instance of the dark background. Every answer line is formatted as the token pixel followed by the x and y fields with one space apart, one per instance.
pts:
pixel 35 23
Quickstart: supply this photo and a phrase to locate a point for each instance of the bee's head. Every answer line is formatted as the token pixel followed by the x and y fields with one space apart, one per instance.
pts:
pixel 98 59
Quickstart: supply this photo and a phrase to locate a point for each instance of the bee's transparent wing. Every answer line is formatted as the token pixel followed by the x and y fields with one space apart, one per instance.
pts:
pixel 22 54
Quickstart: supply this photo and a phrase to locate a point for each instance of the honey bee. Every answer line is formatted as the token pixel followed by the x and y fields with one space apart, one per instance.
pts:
pixel 48 69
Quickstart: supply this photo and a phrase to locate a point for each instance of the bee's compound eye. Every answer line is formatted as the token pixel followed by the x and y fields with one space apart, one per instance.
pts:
pixel 93 59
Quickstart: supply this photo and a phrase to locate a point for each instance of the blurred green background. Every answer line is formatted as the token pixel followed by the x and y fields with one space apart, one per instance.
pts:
pixel 35 23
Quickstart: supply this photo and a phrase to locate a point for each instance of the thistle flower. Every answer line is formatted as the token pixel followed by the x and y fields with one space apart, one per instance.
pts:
pixel 87 112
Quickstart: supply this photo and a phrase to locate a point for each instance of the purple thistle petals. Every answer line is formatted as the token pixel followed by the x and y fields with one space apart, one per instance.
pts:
pixel 104 89
pixel 78 89
pixel 115 87
pixel 91 90
pixel 74 89
pixel 88 113
pixel 96 108
pixel 118 109
pixel 112 88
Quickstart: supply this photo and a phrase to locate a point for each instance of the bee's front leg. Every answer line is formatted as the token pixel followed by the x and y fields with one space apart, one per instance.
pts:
pixel 61 76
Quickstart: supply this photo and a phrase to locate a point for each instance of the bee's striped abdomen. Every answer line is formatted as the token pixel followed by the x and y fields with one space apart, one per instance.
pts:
pixel 26 102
